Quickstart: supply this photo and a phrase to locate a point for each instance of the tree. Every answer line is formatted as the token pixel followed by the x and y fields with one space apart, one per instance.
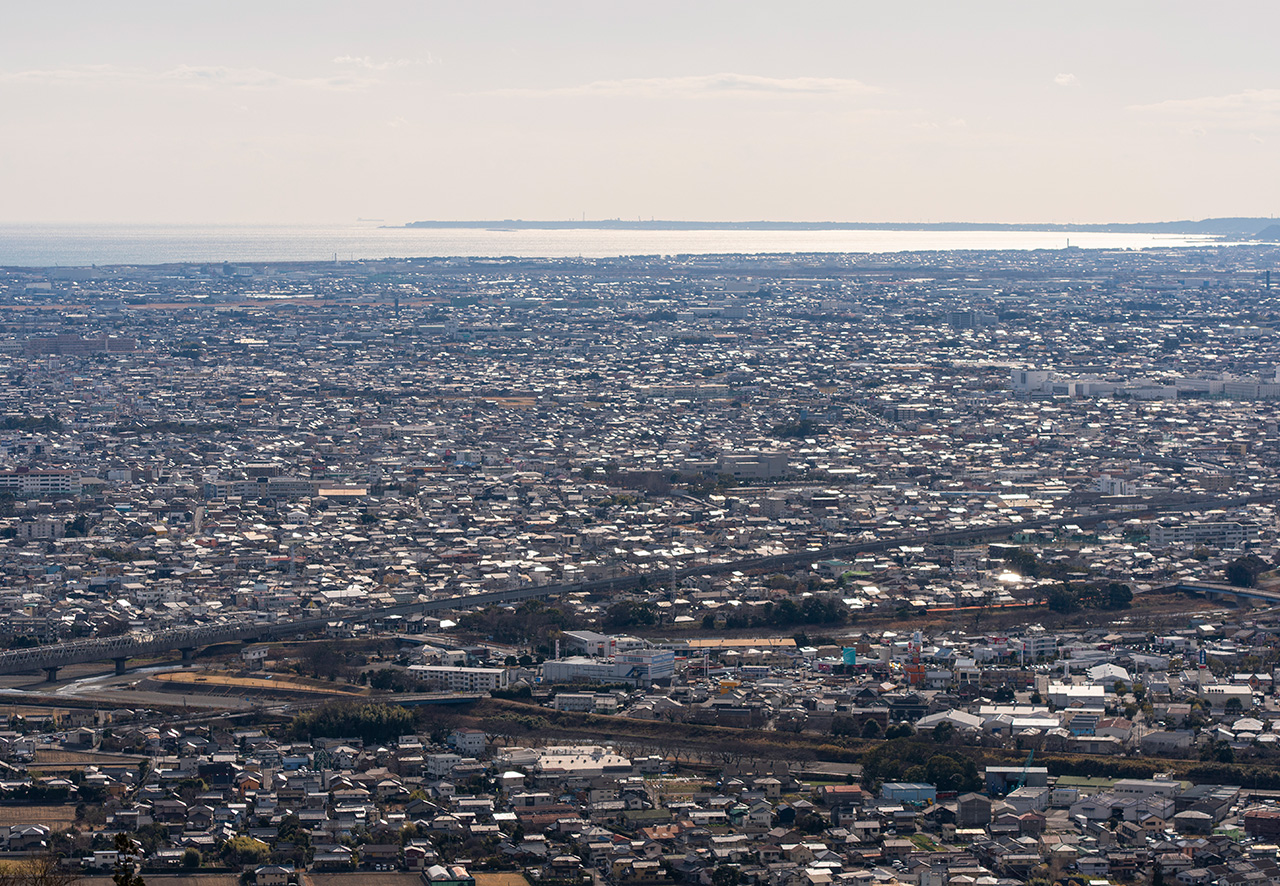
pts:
pixel 944 732
pixel 1119 596
pixel 127 862
pixel 375 723
pixel 1218 752
pixel 40 870
pixel 726 875
pixel 870 729
pixel 843 724
pixel 325 660
pixel 1062 599
pixel 626 614
pixel 952 773
pixel 151 837
pixel 241 851
pixel 1243 572
pixel 191 858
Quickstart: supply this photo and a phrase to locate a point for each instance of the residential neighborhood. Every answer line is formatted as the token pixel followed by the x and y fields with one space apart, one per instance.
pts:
pixel 803 570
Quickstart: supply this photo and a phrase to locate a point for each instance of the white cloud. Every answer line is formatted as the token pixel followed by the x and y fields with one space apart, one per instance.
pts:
pixel 950 123
pixel 1065 79
pixel 182 76
pixel 705 86
pixel 73 76
pixel 1249 110
pixel 254 78
pixel 366 63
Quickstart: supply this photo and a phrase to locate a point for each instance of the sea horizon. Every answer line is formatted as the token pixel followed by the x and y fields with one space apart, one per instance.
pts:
pixel 48 244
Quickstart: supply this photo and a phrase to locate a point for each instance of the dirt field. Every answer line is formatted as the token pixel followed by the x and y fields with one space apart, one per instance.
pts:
pixel 501 879
pixel 61 756
pixel 170 880
pixel 513 402
pixel 366 878
pixel 197 681
pixel 54 817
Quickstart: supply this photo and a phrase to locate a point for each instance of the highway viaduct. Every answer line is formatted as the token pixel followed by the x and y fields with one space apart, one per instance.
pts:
pixel 1216 591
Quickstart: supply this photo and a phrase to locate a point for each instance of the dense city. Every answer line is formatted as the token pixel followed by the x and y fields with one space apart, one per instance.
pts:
pixel 941 569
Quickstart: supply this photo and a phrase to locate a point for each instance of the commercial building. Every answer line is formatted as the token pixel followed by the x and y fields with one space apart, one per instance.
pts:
pixel 1217 534
pixel 23 483
pixel 639 668
pixel 456 679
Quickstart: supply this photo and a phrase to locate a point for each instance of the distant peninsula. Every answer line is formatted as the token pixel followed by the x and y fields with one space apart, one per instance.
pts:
pixel 1245 228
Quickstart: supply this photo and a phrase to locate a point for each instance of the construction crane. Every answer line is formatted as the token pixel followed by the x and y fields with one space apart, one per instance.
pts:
pixel 1026 767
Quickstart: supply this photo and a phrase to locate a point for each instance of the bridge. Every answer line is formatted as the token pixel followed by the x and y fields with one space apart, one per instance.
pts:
pixel 187 640
pixel 1218 591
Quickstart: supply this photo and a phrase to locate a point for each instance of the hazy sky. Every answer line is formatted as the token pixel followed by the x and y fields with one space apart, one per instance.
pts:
pixel 899 111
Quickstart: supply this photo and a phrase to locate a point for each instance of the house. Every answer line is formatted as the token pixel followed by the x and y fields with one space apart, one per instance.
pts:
pixel 468 742
pixel 1167 742
pixel 565 868
pixel 380 856
pixel 31 838
pixel 1193 821
pixel 388 788
pixel 1114 727
pixel 169 809
pixel 973 811
pixel 254 657
pixel 273 875
pixel 416 857
pixel 333 858
pixel 101 860
pixel 771 786
pixel 1094 866
pixel 637 871
pixel 199 817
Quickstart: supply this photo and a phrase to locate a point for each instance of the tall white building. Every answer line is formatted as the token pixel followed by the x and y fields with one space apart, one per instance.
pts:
pixel 461 679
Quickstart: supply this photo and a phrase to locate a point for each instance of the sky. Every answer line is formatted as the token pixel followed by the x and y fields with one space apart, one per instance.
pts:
pixel 324 112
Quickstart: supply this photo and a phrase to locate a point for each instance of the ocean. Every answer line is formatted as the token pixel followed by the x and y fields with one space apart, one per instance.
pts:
pixel 79 245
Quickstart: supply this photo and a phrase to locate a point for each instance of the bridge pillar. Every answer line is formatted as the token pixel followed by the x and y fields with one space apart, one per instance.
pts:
pixel 121 663
pixel 51 674
pixel 188 653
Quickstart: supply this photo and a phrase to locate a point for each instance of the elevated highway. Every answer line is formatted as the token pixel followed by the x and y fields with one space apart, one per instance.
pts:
pixel 1217 591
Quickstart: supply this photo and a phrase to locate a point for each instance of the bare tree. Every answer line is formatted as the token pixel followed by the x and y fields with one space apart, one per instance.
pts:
pixel 40 870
